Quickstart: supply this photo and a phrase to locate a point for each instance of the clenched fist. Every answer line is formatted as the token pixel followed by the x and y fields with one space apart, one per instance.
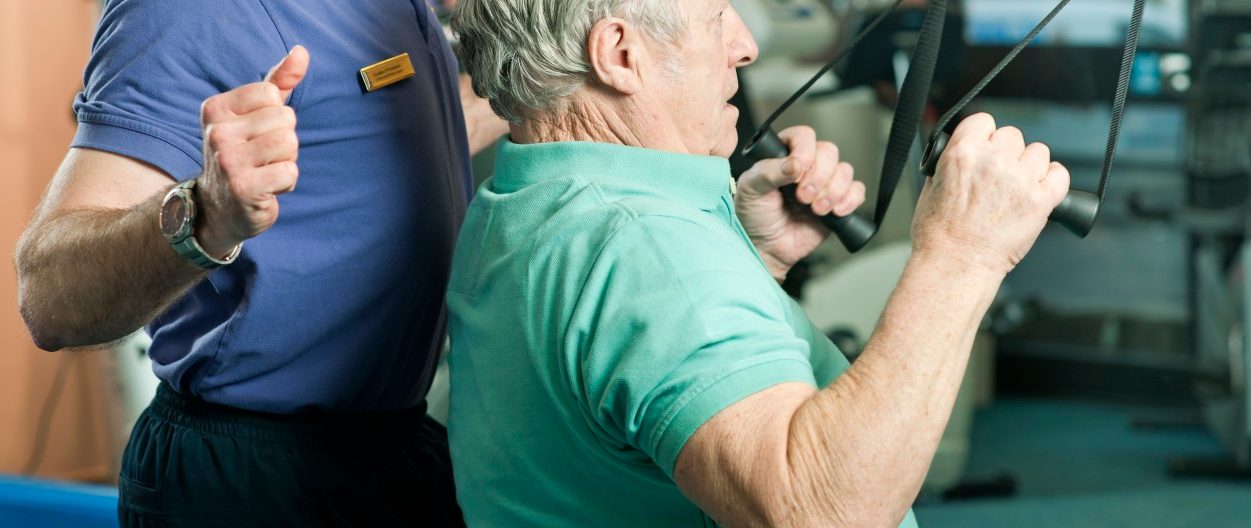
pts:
pixel 990 198
pixel 826 185
pixel 250 152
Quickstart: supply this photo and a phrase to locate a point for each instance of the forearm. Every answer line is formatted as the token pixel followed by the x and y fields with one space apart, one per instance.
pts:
pixel 482 125
pixel 858 451
pixel 91 276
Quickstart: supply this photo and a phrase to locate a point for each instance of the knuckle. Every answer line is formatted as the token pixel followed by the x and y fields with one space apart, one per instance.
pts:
pixel 285 174
pixel 219 136
pixel 290 178
pixel 227 160
pixel 841 181
pixel 961 152
pixel 289 141
pixel 212 137
pixel 238 188
pixel 270 93
pixel 827 149
pixel 979 120
pixel 289 119
pixel 211 108
pixel 857 197
pixel 231 161
pixel 1062 173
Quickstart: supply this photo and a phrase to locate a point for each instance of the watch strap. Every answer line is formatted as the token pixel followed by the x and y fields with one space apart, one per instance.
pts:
pixel 189 248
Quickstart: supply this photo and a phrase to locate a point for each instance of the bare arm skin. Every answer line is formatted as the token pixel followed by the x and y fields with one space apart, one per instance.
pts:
pixel 856 453
pixel 93 265
pixel 481 123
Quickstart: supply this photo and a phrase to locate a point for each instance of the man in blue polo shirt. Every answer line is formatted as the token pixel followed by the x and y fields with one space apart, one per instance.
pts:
pixel 295 345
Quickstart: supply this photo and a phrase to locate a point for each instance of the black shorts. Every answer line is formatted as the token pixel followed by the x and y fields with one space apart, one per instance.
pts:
pixel 193 463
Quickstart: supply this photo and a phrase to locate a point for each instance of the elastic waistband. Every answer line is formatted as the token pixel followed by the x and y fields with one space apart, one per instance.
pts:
pixel 314 428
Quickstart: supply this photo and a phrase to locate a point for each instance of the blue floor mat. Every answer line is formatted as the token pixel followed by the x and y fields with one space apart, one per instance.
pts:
pixel 44 504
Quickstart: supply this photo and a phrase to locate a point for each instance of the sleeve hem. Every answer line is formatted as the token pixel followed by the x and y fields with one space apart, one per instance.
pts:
pixel 134 139
pixel 719 393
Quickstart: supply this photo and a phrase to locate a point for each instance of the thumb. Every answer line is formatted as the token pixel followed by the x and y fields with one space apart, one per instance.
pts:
pixel 288 73
pixel 769 175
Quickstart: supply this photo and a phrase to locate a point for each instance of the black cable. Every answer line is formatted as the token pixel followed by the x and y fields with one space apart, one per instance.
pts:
pixel 44 426
pixel 768 123
pixel 1007 59
pixel 856 230
pixel 1079 210
pixel 913 97
pixel 1122 94
pixel 1119 102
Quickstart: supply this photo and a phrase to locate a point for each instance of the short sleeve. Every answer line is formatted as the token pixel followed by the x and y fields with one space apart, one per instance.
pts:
pixel 678 321
pixel 828 362
pixel 154 62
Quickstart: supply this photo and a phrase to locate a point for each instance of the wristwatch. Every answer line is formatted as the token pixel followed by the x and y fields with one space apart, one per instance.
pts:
pixel 178 218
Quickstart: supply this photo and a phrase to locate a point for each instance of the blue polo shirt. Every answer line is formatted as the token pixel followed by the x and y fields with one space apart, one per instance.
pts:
pixel 340 306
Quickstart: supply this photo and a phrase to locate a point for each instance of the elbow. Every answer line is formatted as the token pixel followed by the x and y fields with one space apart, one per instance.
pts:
pixel 821 493
pixel 42 332
pixel 46 341
pixel 54 324
pixel 47 345
pixel 39 322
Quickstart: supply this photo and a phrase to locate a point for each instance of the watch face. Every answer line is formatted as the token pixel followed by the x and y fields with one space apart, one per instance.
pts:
pixel 174 215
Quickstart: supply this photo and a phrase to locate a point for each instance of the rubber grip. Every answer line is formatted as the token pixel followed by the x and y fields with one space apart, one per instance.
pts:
pixel 855 230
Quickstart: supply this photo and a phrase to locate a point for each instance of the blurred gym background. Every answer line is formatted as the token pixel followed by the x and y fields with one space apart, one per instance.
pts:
pixel 1109 384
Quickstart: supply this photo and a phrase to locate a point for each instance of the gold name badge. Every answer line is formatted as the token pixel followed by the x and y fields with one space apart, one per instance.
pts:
pixel 383 74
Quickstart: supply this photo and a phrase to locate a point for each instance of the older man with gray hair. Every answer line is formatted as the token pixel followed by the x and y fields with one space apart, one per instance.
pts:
pixel 622 352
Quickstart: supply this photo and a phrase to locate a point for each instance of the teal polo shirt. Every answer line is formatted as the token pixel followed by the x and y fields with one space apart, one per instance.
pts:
pixel 605 303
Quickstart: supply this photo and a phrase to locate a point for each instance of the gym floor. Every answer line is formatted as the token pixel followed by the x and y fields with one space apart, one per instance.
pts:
pixel 1078 464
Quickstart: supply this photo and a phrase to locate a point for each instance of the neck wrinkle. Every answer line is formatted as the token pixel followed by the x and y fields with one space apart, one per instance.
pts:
pixel 583 120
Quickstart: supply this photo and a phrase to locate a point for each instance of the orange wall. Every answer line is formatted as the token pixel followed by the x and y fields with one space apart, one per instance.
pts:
pixel 43 47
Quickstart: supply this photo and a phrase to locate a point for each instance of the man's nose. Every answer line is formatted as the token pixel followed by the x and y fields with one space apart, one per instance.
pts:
pixel 741 45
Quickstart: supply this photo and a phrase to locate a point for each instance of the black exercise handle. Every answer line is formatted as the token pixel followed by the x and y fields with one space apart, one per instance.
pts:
pixel 1077 212
pixel 854 230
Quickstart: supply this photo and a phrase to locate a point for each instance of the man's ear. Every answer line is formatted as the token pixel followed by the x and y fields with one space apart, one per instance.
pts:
pixel 616 50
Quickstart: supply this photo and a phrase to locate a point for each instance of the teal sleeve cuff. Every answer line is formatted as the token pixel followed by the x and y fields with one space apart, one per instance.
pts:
pixel 706 400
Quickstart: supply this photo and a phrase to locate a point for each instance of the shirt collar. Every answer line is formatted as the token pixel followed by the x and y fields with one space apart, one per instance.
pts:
pixel 700 181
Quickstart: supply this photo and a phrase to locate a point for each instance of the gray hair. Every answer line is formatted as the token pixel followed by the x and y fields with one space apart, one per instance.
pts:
pixel 530 55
